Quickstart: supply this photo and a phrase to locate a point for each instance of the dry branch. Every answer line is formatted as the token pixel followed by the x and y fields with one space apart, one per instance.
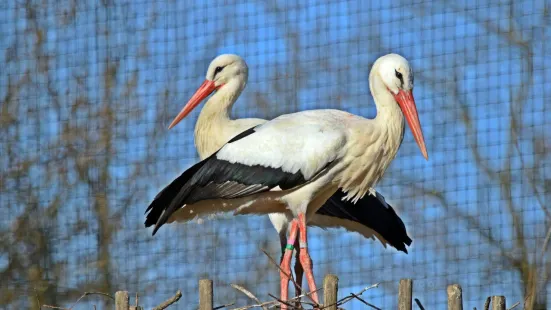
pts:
pixel 514 306
pixel 165 304
pixel 79 299
pixel 271 304
pixel 290 276
pixel 365 302
pixel 224 306
pixel 282 301
pixel 352 296
pixel 247 293
pixel 418 302
pixel 162 306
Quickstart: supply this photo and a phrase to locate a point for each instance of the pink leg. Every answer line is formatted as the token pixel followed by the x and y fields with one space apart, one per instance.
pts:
pixel 305 259
pixel 299 272
pixel 285 271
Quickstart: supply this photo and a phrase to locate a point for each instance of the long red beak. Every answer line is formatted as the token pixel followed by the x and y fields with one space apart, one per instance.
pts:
pixel 407 104
pixel 204 90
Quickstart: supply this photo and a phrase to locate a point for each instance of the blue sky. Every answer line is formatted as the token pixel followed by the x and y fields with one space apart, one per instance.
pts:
pixel 330 46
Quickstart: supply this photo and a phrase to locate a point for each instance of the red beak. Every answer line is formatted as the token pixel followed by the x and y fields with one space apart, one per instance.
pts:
pixel 204 91
pixel 407 104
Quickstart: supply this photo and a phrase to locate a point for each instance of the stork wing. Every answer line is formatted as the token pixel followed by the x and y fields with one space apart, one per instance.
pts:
pixel 302 142
pixel 370 215
pixel 288 151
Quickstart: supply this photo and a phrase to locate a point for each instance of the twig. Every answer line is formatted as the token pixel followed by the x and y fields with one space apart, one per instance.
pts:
pixel 137 300
pixel 273 303
pixel 418 302
pixel 299 297
pixel 79 299
pixel 281 270
pixel 255 306
pixel 365 302
pixel 247 292
pixel 54 307
pixel 351 296
pixel 346 299
pixel 169 301
pixel 224 306
pixel 281 301
pixel 95 293
pixel 289 276
pixel 90 293
pixel 514 306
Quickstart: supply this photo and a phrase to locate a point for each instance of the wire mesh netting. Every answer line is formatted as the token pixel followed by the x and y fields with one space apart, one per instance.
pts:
pixel 87 89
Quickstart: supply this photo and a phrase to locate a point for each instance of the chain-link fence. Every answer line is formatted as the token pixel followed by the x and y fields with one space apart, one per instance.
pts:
pixel 87 89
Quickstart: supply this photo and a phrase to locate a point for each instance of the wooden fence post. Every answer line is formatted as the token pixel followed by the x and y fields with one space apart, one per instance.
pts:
pixel 122 302
pixel 455 298
pixel 205 294
pixel 405 291
pixel 498 303
pixel 330 291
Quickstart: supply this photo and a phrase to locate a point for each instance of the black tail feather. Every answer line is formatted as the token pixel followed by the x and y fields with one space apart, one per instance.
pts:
pixel 372 212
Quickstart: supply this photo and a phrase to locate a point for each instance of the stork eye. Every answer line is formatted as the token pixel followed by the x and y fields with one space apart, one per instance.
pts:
pixel 217 70
pixel 399 76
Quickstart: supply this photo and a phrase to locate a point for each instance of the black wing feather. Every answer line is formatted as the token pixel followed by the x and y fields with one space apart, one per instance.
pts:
pixel 213 178
pixel 165 197
pixel 372 212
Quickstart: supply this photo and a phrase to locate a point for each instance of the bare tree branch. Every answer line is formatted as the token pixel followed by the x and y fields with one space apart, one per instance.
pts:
pixel 169 301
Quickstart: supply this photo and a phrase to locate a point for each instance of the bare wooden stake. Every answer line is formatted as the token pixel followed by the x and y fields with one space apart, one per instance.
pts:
pixel 330 291
pixel 455 297
pixel 122 301
pixel 498 303
pixel 205 294
pixel 405 292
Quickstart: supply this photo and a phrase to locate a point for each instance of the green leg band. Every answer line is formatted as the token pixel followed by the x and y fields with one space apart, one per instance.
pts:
pixel 289 247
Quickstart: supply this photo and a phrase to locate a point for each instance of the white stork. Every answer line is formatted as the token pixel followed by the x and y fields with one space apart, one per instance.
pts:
pixel 307 156
pixel 371 216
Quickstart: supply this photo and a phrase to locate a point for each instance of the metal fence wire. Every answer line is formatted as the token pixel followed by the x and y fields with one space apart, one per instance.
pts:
pixel 88 88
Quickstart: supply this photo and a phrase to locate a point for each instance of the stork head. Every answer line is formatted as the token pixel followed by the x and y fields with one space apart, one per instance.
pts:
pixel 397 76
pixel 224 70
pixel 395 73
